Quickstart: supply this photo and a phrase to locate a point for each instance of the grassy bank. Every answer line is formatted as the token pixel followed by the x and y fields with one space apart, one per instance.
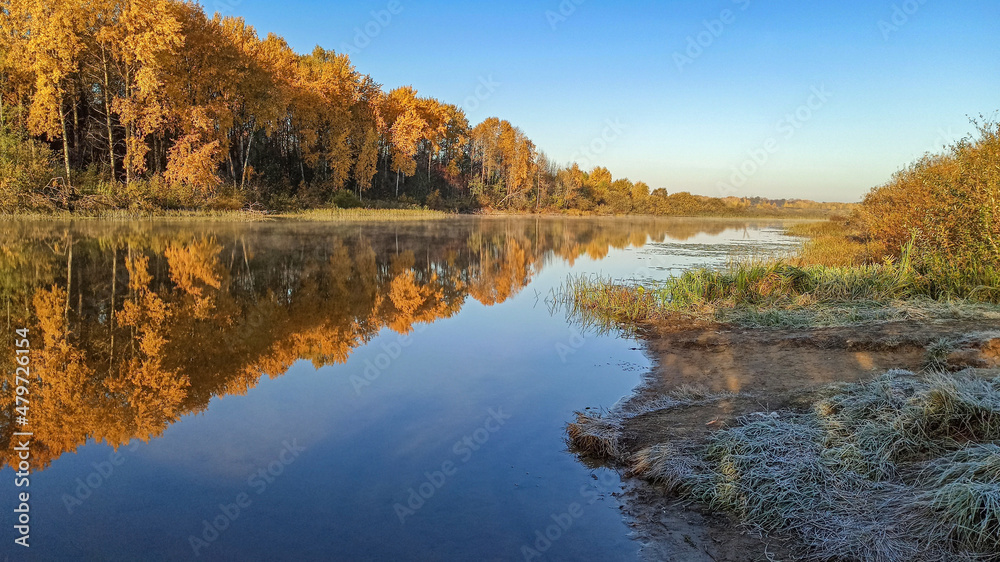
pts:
pixel 902 467
pixel 365 214
pixel 132 215
pixel 778 294
pixel 318 215
pixel 930 234
pixel 898 468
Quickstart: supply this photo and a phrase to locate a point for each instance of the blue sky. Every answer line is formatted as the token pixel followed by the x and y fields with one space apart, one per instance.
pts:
pixel 695 91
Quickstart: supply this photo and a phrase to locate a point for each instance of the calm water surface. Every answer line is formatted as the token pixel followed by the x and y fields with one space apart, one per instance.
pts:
pixel 280 391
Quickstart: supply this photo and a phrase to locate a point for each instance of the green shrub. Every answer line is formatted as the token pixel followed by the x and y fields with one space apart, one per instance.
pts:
pixel 344 199
pixel 26 167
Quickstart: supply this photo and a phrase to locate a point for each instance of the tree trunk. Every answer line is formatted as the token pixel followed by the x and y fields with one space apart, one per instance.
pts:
pixel 538 192
pixel 128 157
pixel 232 169
pixel 246 159
pixel 107 115
pixel 76 125
pixel 65 140
pixel 385 170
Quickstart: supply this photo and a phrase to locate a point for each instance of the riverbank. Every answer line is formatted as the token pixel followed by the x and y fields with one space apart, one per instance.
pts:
pixel 838 403
pixel 365 213
pixel 805 436
pixel 245 215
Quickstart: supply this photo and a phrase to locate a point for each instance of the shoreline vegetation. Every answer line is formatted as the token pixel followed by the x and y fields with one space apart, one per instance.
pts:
pixel 905 466
pixel 156 107
pixel 242 215
pixel 932 233
pixel 335 214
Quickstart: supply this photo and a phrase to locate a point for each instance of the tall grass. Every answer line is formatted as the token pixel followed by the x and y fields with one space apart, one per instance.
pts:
pixel 754 288
pixel 335 214
pixel 139 214
pixel 238 215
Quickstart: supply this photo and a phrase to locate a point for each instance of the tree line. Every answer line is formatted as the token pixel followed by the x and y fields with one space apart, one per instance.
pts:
pixel 152 103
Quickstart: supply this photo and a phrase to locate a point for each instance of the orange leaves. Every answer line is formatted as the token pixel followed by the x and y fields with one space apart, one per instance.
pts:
pixel 49 308
pixel 146 311
pixel 404 135
pixel 327 90
pixel 507 156
pixel 150 394
pixel 194 161
pixel 46 39
pixel 366 164
pixel 59 403
pixel 404 293
pixel 947 204
pixel 193 268
pixel 137 35
pixel 503 272
pixel 156 86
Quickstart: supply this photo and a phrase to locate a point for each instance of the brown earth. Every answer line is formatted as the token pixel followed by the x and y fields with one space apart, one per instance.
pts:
pixel 770 370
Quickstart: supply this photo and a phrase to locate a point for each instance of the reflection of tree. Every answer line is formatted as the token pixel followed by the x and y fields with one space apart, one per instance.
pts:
pixel 194 268
pixel 133 327
pixel 147 396
pixel 504 269
pixel 63 400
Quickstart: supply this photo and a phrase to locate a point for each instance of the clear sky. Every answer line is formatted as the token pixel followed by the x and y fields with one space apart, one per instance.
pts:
pixel 816 100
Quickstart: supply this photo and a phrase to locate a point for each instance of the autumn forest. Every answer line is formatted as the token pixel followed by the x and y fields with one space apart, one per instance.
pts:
pixel 153 104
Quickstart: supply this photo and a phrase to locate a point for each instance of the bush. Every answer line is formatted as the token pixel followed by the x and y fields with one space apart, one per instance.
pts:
pixel 434 201
pixel 26 166
pixel 346 200
pixel 948 205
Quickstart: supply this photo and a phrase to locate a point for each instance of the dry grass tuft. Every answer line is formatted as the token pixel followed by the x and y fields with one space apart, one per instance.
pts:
pixel 595 436
pixel 902 467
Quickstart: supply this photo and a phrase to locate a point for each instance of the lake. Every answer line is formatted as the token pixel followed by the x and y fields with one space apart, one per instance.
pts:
pixel 317 391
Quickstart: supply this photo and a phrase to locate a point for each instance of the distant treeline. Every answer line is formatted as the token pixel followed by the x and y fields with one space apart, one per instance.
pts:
pixel 152 104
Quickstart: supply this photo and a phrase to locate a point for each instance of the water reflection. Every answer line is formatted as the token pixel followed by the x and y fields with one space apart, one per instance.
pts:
pixel 134 325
